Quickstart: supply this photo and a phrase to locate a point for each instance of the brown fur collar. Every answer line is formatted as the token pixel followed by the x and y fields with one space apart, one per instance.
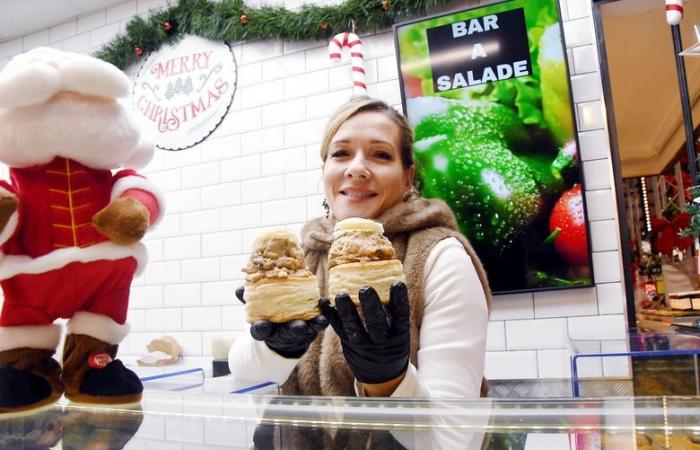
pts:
pixel 415 214
pixel 414 227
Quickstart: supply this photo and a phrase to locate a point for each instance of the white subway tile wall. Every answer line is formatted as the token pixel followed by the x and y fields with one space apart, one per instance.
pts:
pixel 536 334
pixel 578 8
pixel 585 87
pixel 38 39
pixel 121 11
pixel 616 366
pixel 590 116
pixel 609 326
pixel 182 294
pixel 512 307
pixel 597 174
pixel 62 32
pixel 91 21
pixel 554 363
pixel 13 47
pixel 578 32
pixel 601 204
pixel 570 60
pixel 104 34
pixel 496 336
pixel 584 59
pixel 593 145
pixel 511 365
pixel 579 302
pixel 607 267
pixel 261 168
pixel 611 298
pixel 604 235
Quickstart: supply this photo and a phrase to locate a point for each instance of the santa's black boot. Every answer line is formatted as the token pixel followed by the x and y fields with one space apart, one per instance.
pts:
pixel 91 374
pixel 29 378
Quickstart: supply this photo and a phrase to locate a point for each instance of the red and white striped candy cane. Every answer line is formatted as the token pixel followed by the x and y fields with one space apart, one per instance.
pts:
pixel 335 49
pixel 674 11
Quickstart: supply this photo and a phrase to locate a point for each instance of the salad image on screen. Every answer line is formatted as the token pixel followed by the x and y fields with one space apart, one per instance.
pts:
pixel 487 93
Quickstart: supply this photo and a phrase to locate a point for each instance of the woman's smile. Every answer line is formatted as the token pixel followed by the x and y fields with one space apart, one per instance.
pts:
pixel 363 175
pixel 354 194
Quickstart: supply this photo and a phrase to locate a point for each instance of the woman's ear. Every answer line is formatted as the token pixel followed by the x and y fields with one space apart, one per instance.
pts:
pixel 410 176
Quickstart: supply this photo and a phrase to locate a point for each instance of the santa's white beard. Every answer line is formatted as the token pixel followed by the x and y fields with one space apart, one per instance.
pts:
pixel 100 135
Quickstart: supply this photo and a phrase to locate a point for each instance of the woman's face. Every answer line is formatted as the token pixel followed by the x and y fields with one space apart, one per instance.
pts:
pixel 363 175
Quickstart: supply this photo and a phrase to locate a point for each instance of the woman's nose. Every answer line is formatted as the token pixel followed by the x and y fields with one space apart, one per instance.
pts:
pixel 358 168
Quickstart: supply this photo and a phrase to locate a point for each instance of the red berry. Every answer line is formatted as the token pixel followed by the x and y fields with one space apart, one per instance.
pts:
pixel 567 215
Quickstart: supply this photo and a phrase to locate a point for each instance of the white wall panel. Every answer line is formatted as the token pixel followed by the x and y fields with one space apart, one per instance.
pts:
pixel 261 168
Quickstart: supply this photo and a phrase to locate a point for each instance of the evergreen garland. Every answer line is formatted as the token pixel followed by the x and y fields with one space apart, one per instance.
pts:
pixel 232 20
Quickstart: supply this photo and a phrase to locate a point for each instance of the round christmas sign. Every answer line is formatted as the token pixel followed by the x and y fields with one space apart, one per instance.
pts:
pixel 184 90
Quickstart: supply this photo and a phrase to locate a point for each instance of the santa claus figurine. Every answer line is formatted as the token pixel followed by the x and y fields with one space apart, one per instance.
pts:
pixel 70 228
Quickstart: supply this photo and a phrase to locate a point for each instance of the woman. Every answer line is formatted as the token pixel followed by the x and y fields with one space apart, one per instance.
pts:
pixel 433 348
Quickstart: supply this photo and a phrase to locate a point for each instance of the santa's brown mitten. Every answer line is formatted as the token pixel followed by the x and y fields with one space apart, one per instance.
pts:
pixel 8 205
pixel 124 221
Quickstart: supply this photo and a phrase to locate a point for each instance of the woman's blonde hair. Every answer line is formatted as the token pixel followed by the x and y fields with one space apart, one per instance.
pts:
pixel 362 104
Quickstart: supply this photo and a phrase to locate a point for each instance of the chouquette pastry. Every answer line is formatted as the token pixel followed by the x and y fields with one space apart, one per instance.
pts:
pixel 361 256
pixel 278 286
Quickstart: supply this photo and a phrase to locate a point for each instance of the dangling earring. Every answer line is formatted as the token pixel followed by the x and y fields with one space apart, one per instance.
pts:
pixel 326 207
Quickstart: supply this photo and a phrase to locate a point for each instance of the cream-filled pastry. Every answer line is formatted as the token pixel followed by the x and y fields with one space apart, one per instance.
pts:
pixel 361 256
pixel 278 286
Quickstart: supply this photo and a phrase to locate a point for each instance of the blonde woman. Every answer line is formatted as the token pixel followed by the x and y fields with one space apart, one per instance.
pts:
pixel 430 339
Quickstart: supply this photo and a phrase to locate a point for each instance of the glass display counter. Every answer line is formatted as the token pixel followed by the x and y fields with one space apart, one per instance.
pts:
pixel 635 344
pixel 193 379
pixel 200 420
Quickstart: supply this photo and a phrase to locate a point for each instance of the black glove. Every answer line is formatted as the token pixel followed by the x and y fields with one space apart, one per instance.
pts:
pixel 290 339
pixel 378 352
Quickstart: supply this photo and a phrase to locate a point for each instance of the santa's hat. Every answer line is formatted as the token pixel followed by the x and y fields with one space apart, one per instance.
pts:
pixel 37 75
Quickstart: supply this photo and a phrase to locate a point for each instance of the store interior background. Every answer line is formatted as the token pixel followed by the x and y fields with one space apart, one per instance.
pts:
pixel 261 168
pixel 650 142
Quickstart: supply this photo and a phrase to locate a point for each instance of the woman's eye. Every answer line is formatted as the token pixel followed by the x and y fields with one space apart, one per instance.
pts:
pixel 339 153
pixel 383 155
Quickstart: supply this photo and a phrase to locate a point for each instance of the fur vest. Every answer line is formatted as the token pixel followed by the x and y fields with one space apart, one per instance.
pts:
pixel 413 226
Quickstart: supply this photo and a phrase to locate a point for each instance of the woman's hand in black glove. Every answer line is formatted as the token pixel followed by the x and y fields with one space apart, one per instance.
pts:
pixel 290 339
pixel 378 352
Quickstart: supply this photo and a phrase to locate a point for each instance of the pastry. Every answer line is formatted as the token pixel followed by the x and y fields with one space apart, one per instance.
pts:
pixel 278 286
pixel 362 256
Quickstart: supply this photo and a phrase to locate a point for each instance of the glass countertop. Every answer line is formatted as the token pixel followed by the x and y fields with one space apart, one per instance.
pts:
pixel 638 342
pixel 199 420
pixel 588 354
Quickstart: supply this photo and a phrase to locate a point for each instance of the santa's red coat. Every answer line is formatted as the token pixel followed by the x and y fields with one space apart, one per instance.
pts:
pixel 52 234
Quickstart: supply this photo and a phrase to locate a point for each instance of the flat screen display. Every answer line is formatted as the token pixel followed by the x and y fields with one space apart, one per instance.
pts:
pixel 487 93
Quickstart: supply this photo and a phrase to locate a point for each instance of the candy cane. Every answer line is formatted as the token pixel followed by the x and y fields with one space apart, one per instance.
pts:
pixel 350 40
pixel 674 11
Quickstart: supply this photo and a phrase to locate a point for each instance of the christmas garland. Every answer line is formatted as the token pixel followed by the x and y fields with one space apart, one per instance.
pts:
pixel 232 20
